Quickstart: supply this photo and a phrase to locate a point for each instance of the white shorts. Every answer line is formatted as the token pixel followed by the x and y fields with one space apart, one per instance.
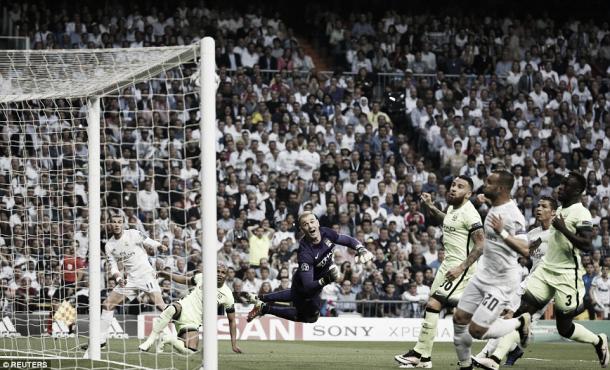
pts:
pixel 485 301
pixel 515 302
pixel 133 287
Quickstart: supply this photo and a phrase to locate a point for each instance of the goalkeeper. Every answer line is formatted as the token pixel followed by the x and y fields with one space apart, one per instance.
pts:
pixel 187 314
pixel 316 269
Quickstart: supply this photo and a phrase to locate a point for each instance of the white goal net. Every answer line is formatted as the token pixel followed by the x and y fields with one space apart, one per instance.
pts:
pixel 149 174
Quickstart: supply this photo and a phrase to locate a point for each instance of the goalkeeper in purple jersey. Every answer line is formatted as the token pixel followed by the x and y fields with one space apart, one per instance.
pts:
pixel 316 270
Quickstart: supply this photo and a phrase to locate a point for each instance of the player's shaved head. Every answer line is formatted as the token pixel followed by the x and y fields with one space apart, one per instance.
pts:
pixel 221 273
pixel 571 188
pixel 505 179
pixel 580 181
pixel 498 186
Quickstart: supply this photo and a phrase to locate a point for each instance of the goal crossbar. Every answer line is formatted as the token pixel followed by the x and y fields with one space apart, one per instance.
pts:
pixel 65 74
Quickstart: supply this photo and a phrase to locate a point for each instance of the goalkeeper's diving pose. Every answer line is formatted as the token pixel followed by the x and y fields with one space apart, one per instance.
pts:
pixel 187 314
pixel 316 269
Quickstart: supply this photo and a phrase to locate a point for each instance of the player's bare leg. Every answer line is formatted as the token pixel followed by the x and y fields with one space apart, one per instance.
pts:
pixel 158 300
pixel 108 306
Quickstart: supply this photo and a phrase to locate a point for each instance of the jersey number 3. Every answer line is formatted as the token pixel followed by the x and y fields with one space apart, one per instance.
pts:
pixel 490 302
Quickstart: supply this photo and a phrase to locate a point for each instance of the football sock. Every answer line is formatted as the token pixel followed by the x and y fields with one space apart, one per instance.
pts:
pixel 501 327
pixel 164 319
pixel 179 345
pixel 490 347
pixel 463 341
pixel 288 313
pixel 427 334
pixel 506 344
pixel 281 296
pixel 583 335
pixel 105 322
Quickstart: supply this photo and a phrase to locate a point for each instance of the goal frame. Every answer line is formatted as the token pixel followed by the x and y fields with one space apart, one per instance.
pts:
pixel 207 93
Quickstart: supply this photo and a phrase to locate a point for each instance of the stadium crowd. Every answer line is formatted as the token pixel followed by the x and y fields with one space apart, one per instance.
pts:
pixel 527 95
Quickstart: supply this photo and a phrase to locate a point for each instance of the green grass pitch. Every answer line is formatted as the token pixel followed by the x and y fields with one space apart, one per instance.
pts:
pixel 271 355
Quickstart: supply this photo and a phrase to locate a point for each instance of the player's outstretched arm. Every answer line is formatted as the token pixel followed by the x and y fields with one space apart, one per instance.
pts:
pixel 581 239
pixel 478 237
pixel 363 254
pixel 436 213
pixel 233 331
pixel 311 285
pixel 180 279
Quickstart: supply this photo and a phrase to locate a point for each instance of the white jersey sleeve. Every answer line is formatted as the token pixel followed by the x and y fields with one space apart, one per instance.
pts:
pixel 499 261
pixel 538 235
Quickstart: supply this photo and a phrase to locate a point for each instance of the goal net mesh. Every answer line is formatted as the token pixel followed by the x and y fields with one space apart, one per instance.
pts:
pixel 149 135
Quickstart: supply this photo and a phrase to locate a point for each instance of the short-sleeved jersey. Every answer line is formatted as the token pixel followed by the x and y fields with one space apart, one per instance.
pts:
pixel 562 254
pixel 129 250
pixel 458 226
pixel 318 257
pixel 602 290
pixel 499 261
pixel 194 300
pixel 533 236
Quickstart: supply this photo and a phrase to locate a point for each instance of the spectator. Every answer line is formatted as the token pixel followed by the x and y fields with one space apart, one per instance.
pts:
pixel 260 243
pixel 600 294
pixel 391 309
pixel 346 299
pixel 414 307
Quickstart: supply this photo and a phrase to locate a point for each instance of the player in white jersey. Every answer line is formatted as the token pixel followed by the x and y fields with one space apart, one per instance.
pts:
pixel 464 240
pixel 187 314
pixel 490 290
pixel 496 349
pixel 600 294
pixel 128 247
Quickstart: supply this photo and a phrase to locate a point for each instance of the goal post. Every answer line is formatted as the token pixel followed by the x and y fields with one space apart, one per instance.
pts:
pixel 208 201
pixel 95 220
pixel 97 88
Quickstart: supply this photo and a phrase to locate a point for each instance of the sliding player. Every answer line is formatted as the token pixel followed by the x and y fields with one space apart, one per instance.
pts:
pixel 187 314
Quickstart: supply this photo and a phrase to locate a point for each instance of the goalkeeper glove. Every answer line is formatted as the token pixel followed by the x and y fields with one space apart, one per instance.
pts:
pixel 331 276
pixel 364 255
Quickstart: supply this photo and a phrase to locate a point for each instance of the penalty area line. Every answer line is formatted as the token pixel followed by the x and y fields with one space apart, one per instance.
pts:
pixel 549 360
